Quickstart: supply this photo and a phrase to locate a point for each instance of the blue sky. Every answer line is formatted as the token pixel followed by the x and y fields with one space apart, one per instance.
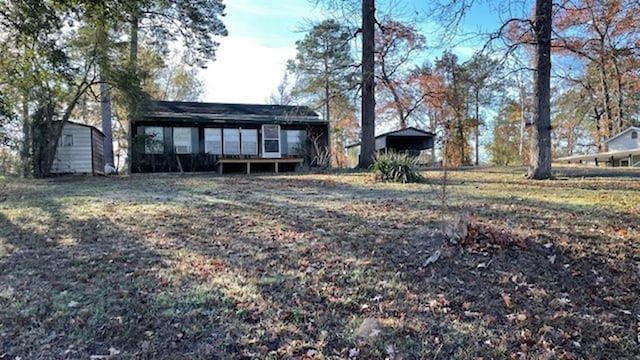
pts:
pixel 262 34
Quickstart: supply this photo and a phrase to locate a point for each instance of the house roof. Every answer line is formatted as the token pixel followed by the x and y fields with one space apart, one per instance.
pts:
pixel 222 112
pixel 406 132
pixel 603 156
pixel 629 129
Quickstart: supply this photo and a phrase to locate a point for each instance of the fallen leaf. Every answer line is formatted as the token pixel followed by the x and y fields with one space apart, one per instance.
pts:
pixel 433 258
pixel 508 303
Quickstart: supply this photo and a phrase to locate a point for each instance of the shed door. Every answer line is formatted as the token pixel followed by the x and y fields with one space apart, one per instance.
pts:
pixel 271 141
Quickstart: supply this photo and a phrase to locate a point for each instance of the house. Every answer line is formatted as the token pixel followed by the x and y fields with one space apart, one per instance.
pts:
pixel 196 136
pixel 80 150
pixel 409 140
pixel 623 149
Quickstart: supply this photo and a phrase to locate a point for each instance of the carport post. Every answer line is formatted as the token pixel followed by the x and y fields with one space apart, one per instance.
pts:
pixel 630 160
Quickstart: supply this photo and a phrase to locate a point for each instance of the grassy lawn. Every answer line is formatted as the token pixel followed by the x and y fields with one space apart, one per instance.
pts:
pixel 320 266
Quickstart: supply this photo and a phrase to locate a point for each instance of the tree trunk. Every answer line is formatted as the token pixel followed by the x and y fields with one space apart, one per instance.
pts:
pixel 133 60
pixel 327 113
pixel 367 142
pixel 105 112
pixel 620 124
pixel 607 98
pixel 523 123
pixel 477 129
pixel 26 140
pixel 540 167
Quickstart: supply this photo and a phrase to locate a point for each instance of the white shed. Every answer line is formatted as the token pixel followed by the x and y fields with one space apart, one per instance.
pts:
pixel 80 150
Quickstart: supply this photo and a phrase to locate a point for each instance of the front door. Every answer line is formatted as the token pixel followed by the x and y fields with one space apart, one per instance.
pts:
pixel 270 141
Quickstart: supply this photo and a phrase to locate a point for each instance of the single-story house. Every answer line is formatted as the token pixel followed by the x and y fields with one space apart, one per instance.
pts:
pixel 623 149
pixel 408 140
pixel 196 136
pixel 80 150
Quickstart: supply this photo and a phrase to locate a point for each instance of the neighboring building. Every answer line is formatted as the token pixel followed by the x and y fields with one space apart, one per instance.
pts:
pixel 193 136
pixel 80 150
pixel 409 140
pixel 623 150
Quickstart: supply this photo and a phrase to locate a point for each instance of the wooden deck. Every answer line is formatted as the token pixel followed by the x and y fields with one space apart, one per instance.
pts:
pixel 248 161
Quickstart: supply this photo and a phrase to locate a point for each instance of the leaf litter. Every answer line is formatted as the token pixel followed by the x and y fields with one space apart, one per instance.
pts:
pixel 307 266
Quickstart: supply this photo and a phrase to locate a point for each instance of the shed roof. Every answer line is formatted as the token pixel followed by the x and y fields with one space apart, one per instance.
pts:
pixel 406 132
pixel 81 124
pixel 629 129
pixel 224 112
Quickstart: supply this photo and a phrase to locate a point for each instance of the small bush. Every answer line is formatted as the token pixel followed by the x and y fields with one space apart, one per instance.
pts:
pixel 396 168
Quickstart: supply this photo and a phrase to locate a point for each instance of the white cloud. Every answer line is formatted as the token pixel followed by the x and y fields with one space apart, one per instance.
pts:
pixel 245 71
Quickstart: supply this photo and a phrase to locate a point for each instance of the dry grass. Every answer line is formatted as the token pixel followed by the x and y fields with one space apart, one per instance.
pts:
pixel 319 266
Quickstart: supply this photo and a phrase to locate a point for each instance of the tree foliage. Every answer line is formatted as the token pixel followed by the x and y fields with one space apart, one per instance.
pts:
pixel 398 94
pixel 325 77
pixel 58 51
pixel 503 150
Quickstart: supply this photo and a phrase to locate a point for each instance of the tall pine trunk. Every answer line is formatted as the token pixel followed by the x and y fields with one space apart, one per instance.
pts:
pixel 105 112
pixel 133 61
pixel 25 157
pixel 367 147
pixel 540 166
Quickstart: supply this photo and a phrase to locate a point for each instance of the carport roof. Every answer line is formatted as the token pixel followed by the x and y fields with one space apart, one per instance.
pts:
pixel 406 132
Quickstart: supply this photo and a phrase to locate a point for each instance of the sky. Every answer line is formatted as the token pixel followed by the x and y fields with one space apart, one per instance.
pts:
pixel 251 60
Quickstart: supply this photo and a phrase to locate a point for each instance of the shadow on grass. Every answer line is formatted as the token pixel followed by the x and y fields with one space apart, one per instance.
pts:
pixel 276 267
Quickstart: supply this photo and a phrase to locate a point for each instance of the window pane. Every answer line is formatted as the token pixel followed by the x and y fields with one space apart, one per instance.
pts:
pixel 182 140
pixel 231 141
pixel 295 141
pixel 272 146
pixel 249 141
pixel 68 140
pixel 213 141
pixel 271 131
pixel 153 140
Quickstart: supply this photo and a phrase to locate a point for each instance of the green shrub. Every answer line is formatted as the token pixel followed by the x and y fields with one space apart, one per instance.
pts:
pixel 396 167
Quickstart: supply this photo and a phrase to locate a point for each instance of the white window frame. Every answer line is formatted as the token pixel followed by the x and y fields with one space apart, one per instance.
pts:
pixel 265 138
pixel 213 141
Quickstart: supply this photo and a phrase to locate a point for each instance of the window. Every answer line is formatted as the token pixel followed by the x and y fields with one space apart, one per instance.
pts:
pixel 634 134
pixel 153 140
pixel 182 140
pixel 271 141
pixel 213 141
pixel 231 139
pixel 295 141
pixel 249 141
pixel 67 140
